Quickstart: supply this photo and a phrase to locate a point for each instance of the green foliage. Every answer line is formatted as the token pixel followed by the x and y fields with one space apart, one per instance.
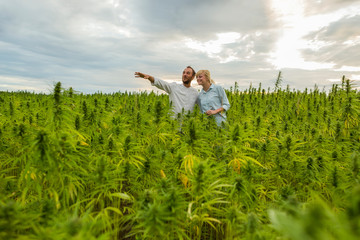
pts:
pixel 117 166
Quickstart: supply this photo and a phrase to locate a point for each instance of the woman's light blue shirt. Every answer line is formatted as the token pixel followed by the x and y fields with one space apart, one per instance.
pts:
pixel 214 98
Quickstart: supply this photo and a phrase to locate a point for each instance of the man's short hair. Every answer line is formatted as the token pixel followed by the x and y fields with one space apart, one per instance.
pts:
pixel 194 73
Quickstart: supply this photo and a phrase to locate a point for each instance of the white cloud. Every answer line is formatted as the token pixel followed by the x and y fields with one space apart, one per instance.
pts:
pixel 347 69
pixel 334 80
pixel 25 84
pixel 355 77
pixel 214 47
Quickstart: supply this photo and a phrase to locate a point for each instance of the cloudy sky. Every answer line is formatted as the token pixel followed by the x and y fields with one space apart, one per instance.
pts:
pixel 97 45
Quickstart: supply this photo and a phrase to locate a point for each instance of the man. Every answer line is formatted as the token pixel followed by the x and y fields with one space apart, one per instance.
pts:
pixel 182 96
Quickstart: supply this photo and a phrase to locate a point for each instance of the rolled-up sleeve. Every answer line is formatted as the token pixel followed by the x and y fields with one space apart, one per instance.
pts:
pixel 225 104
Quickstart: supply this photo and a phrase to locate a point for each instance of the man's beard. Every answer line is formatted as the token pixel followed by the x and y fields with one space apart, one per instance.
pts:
pixel 186 81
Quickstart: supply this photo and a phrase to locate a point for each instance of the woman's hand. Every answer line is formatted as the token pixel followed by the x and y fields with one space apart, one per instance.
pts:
pixel 211 112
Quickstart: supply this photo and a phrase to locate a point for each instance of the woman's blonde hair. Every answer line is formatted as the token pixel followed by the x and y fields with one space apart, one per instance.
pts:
pixel 207 75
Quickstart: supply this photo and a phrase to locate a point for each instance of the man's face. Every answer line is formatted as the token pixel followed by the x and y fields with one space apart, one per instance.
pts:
pixel 187 75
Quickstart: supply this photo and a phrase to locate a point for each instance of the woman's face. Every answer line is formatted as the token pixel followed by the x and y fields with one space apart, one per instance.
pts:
pixel 201 79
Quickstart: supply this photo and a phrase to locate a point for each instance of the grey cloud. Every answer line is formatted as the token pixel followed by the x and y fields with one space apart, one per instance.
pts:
pixel 313 7
pixel 336 53
pixel 342 30
pixel 39 40
pixel 301 79
pixel 336 35
pixel 200 19
pixel 41 27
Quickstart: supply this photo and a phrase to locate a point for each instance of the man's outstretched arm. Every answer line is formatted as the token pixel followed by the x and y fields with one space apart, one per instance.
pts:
pixel 145 76
pixel 163 85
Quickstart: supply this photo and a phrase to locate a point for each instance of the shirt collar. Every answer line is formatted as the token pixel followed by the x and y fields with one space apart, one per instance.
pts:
pixel 211 86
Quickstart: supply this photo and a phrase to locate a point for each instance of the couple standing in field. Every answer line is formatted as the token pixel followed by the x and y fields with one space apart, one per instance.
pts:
pixel 212 99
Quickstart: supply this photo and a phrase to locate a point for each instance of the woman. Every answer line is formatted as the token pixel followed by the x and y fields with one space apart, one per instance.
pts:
pixel 212 99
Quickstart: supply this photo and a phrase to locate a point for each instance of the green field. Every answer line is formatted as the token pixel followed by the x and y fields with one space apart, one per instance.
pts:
pixel 115 166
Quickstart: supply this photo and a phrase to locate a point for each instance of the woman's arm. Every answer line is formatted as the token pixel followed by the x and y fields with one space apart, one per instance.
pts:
pixel 213 112
pixel 225 105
